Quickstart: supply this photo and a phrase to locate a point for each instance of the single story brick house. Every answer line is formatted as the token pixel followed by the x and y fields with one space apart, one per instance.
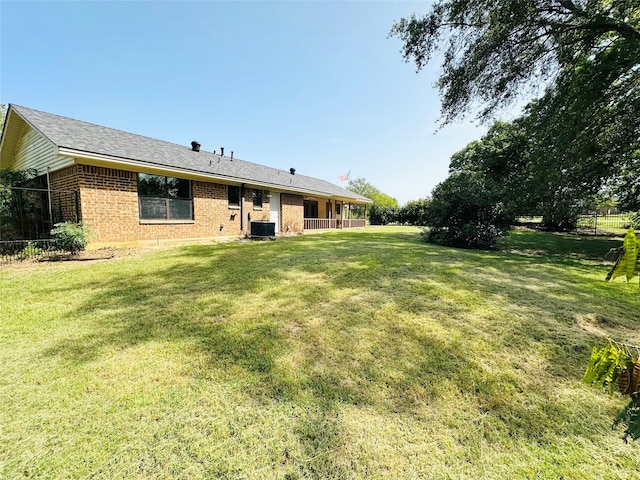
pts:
pixel 133 188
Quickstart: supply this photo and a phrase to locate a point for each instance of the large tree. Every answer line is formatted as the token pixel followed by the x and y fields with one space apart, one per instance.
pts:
pixel 525 180
pixel 580 58
pixel 364 188
pixel 380 199
pixel 496 50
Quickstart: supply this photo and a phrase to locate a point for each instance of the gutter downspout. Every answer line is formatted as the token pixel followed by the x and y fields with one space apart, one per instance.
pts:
pixel 242 208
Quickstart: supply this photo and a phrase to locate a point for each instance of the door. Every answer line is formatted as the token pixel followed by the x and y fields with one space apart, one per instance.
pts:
pixel 274 209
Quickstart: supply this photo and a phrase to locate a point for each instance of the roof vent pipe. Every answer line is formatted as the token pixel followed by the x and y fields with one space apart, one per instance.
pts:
pixel 222 151
pixel 231 154
pixel 195 146
pixel 293 171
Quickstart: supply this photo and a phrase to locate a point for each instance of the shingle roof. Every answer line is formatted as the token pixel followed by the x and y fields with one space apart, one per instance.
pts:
pixel 94 139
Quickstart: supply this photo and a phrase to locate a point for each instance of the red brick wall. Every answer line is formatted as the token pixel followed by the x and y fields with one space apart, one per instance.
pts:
pixel 63 203
pixel 109 207
pixel 292 207
pixel 109 199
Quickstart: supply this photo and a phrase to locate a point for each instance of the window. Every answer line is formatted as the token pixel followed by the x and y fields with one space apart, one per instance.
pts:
pixel 310 209
pixel 164 198
pixel 257 199
pixel 338 205
pixel 234 196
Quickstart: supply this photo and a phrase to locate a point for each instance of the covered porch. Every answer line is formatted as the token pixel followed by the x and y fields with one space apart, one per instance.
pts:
pixel 329 214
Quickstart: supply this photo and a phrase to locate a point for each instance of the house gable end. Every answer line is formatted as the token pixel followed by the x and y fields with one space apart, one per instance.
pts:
pixel 24 147
pixel 13 127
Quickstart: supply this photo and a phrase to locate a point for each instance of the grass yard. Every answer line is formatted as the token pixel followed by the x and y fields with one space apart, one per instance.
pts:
pixel 356 354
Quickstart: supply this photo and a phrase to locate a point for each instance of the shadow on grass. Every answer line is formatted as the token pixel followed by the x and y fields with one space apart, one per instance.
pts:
pixel 560 245
pixel 362 318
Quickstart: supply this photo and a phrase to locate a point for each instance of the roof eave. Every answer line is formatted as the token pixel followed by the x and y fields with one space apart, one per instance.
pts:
pixel 139 165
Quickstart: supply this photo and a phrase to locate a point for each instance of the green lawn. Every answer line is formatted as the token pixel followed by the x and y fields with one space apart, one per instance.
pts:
pixel 355 354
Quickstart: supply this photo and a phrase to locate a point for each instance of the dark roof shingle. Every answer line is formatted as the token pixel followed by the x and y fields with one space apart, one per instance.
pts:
pixel 95 139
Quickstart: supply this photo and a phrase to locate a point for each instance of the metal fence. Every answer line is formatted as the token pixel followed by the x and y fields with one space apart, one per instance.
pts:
pixel 595 221
pixel 27 216
pixel 19 250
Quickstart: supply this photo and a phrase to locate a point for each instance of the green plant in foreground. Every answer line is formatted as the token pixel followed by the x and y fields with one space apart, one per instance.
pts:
pixel 608 365
pixel 31 250
pixel 605 365
pixel 70 237
pixel 627 262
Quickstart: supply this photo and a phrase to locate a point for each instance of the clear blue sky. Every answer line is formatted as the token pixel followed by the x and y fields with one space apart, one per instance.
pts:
pixel 313 85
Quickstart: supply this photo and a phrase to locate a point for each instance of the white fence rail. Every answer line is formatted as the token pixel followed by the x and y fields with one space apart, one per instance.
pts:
pixel 332 223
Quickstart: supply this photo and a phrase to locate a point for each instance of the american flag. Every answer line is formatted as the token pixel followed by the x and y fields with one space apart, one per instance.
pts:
pixel 345 177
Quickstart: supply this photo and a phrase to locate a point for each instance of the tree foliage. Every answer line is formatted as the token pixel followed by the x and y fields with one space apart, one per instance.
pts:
pixel 527 181
pixel 381 215
pixel 494 50
pixel 21 210
pixel 18 178
pixel 414 212
pixel 70 237
pixel 465 213
pixel 364 188
pixel 3 116
pixel 578 59
pixel 627 187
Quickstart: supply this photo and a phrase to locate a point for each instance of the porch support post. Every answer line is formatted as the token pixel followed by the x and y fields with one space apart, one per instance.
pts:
pixel 330 213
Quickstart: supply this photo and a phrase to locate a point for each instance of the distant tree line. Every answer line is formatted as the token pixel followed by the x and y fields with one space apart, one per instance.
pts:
pixel 472 209
pixel 413 213
pixel 385 209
